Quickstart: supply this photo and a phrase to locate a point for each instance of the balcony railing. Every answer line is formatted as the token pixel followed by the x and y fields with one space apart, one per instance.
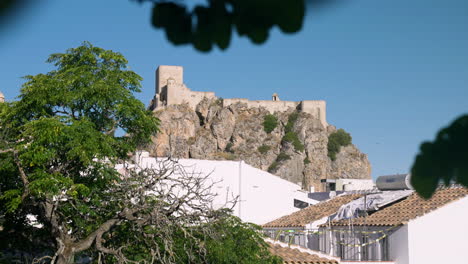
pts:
pixel 349 245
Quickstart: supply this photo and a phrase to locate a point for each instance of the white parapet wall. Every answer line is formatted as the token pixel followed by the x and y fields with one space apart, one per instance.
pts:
pixel 261 196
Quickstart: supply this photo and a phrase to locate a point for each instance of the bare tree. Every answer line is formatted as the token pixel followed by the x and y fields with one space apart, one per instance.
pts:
pixel 154 207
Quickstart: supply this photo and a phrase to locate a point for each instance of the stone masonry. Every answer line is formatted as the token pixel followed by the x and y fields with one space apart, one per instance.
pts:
pixel 171 90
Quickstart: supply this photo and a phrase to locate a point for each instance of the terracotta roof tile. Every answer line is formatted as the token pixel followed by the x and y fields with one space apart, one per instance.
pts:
pixel 313 212
pixel 294 256
pixel 410 208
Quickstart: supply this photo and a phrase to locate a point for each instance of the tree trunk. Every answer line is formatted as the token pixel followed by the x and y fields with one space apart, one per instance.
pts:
pixel 66 256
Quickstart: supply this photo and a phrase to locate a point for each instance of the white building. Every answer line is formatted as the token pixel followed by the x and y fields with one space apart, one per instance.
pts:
pixel 408 230
pixel 261 196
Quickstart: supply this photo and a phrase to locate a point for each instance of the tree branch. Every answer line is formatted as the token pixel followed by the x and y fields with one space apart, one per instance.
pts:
pixel 88 241
pixel 23 176
pixel 6 150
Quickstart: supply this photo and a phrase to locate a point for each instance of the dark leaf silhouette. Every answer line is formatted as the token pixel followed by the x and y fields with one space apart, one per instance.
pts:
pixel 209 25
pixel 445 160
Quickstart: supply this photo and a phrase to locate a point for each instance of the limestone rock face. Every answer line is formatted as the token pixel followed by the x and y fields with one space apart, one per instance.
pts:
pixel 349 162
pixel 236 132
pixel 179 125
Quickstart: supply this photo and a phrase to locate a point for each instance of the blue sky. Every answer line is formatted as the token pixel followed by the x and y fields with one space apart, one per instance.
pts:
pixel 392 72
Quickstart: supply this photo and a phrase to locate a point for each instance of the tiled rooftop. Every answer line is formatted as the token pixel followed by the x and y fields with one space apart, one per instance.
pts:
pixel 313 212
pixel 407 209
pixel 294 256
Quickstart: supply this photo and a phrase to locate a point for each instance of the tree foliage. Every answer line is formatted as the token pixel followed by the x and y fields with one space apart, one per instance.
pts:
pixel 55 138
pixel 336 140
pixel 445 160
pixel 62 197
pixel 233 241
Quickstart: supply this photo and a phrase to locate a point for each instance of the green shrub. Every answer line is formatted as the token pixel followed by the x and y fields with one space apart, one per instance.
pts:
pixel 294 139
pixel 341 137
pixel 336 140
pixel 290 135
pixel 270 122
pixel 282 156
pixel 229 147
pixel 291 121
pixel 306 161
pixel 264 149
pixel 273 167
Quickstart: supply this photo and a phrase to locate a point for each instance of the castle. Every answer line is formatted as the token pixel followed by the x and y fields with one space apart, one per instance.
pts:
pixel 171 90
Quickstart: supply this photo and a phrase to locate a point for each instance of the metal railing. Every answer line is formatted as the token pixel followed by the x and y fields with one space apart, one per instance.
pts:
pixel 349 245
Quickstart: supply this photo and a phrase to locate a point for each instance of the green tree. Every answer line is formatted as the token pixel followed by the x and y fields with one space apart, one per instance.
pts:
pixel 445 160
pixel 235 241
pixel 230 241
pixel 60 145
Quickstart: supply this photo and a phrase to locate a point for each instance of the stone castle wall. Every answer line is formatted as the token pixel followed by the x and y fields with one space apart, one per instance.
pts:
pixel 180 94
pixel 271 106
pixel 171 90
pixel 317 108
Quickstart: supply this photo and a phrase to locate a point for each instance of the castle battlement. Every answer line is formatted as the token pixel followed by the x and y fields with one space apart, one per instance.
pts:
pixel 171 90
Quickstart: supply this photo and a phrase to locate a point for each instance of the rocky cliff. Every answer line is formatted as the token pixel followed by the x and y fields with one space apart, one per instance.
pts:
pixel 237 132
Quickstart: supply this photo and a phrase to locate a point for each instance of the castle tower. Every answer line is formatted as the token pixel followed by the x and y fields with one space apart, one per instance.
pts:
pixel 2 98
pixel 164 72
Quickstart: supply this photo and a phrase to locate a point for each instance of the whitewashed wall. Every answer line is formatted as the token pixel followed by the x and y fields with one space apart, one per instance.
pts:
pixel 263 197
pixel 354 184
pixel 440 236
pixel 398 245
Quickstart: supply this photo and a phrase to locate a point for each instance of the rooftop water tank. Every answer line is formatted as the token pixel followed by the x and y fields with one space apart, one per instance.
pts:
pixel 394 182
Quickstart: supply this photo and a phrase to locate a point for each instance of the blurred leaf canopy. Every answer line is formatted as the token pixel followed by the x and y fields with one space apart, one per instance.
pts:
pixel 206 26
pixel 444 160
